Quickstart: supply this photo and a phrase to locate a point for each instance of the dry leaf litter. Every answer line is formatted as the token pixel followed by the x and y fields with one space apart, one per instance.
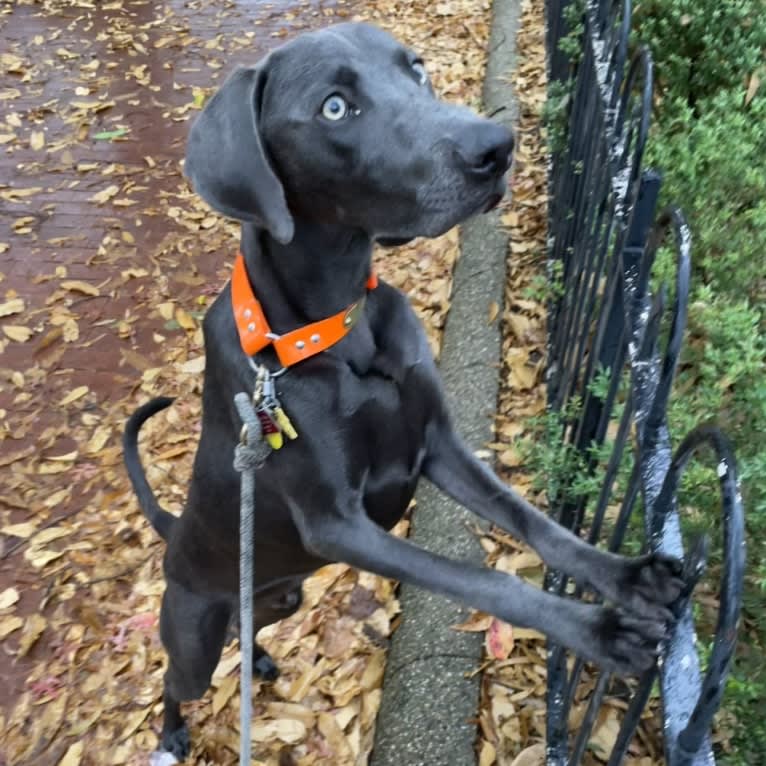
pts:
pixel 107 263
pixel 512 711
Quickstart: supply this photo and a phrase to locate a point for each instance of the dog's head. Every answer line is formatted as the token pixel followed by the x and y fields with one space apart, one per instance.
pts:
pixel 342 127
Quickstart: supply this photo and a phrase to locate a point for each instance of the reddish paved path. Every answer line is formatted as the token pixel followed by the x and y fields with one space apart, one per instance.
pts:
pixel 134 85
pixel 107 261
pixel 69 71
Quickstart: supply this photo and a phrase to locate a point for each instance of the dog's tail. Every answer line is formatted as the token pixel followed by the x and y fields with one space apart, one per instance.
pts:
pixel 159 518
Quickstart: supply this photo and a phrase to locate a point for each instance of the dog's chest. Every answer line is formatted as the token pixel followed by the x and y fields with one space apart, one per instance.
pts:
pixel 384 430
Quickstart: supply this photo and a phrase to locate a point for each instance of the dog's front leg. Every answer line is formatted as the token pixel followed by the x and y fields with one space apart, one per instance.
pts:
pixel 616 641
pixel 645 585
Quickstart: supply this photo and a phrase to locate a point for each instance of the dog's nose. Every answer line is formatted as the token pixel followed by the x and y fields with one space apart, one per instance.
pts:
pixel 486 151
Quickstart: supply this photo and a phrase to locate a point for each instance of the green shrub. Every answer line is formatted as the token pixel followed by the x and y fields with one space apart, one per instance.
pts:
pixel 709 140
pixel 701 47
pixel 714 167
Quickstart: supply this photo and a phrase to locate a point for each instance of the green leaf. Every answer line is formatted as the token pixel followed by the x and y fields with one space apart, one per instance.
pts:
pixel 108 135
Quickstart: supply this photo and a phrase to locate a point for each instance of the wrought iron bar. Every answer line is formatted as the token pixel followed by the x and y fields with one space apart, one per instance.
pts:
pixel 606 322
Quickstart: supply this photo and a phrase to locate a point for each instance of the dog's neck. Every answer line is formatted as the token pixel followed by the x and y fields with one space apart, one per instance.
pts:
pixel 322 271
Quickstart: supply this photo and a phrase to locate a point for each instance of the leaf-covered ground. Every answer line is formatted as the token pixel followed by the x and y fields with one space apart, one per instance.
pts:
pixel 512 714
pixel 107 262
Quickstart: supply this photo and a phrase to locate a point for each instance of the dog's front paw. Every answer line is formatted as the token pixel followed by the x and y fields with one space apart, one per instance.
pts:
pixel 177 742
pixel 646 586
pixel 622 643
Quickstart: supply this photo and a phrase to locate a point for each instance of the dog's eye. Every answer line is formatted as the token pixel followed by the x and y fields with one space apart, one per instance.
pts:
pixel 420 71
pixel 335 107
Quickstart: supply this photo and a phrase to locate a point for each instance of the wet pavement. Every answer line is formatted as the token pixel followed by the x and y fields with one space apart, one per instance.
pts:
pixel 97 226
pixel 84 204
pixel 107 264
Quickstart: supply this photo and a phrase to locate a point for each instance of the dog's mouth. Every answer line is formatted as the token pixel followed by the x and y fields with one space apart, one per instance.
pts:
pixel 497 194
pixel 445 216
pixel 393 241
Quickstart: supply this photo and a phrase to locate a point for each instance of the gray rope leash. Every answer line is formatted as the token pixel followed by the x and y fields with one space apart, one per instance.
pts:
pixel 249 454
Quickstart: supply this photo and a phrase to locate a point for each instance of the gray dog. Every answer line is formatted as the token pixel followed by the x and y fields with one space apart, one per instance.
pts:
pixel 333 141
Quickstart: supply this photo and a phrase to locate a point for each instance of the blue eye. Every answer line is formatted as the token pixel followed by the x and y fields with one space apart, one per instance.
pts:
pixel 335 107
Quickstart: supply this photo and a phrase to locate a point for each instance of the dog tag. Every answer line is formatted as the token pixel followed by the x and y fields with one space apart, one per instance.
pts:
pixel 274 420
pixel 285 423
pixel 270 428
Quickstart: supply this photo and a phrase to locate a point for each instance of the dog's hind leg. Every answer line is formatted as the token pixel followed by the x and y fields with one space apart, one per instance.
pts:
pixel 193 631
pixel 267 610
pixel 274 610
pixel 264 666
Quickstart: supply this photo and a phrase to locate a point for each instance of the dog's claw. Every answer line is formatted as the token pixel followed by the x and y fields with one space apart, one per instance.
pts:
pixel 626 644
pixel 647 586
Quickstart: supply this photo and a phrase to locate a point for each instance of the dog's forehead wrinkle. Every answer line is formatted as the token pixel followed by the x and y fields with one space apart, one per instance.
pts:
pixel 352 55
pixel 360 43
pixel 292 72
pixel 345 75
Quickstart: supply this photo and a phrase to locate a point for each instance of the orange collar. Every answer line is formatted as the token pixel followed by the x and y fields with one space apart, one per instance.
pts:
pixel 297 345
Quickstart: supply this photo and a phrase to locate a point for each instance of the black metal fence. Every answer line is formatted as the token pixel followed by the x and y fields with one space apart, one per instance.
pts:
pixel 614 347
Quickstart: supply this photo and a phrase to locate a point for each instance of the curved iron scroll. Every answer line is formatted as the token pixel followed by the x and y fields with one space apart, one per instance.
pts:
pixel 692 736
pixel 607 322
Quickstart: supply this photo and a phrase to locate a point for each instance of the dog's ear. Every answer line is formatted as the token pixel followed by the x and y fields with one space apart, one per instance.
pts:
pixel 226 161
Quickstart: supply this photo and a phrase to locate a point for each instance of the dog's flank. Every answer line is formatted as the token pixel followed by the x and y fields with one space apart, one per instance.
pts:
pixel 159 518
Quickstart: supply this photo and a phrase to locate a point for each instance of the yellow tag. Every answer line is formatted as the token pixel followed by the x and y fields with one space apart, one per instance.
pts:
pixel 274 440
pixel 284 423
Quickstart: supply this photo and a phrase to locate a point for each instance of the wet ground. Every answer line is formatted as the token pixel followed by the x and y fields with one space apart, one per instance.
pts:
pixel 110 94
pixel 107 264
pixel 94 218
